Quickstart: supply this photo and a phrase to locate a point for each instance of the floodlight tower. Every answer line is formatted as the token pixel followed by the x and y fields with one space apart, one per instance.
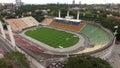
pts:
pixel 59 14
pixel 68 12
pixel 78 14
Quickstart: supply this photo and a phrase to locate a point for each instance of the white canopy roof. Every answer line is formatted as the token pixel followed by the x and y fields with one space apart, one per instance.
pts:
pixel 74 20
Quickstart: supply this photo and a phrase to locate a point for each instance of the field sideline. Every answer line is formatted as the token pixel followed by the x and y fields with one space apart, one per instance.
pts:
pixel 52 37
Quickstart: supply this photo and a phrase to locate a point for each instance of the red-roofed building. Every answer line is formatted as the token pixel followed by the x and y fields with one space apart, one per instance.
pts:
pixel 118 18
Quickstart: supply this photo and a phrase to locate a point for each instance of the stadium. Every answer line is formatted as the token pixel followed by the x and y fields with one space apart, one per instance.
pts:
pixel 57 38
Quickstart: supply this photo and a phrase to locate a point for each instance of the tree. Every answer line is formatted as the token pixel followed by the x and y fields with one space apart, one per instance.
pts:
pixel 4 64
pixel 86 61
pixel 18 59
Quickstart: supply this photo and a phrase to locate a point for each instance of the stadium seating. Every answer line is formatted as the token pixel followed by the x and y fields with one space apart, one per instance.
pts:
pixel 47 21
pixel 22 23
pixel 35 22
pixel 95 35
pixel 30 21
pixel 67 25
pixel 27 21
pixel 13 24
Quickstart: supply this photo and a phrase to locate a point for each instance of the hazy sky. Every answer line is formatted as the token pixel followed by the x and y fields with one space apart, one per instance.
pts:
pixel 61 1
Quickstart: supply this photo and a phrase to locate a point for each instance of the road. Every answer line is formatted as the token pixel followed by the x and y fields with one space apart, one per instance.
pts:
pixel 4 45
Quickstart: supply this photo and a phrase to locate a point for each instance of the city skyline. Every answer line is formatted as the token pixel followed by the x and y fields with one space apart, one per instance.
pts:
pixel 62 1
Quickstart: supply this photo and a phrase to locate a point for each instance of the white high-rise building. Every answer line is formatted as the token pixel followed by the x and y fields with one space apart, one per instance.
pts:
pixel 73 2
pixel 19 3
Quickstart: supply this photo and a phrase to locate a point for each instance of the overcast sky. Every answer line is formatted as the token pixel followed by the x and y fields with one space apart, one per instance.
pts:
pixel 62 1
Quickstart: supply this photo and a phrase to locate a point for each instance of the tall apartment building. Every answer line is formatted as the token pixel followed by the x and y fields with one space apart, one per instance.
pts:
pixel 73 2
pixel 19 3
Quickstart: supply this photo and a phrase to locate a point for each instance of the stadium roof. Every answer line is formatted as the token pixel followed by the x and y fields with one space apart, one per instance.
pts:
pixel 74 20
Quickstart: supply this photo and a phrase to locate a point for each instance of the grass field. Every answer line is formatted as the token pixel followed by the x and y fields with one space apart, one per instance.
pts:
pixel 52 37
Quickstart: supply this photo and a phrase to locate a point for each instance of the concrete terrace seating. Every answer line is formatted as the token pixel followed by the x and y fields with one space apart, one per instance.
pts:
pixel 30 21
pixel 47 21
pixel 13 24
pixel 35 22
pixel 22 23
pixel 27 21
pixel 72 26
pixel 96 35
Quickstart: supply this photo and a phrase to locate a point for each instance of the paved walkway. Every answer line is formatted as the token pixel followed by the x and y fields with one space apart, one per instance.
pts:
pixel 58 50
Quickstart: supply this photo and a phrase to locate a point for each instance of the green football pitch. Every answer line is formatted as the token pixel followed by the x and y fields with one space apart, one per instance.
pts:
pixel 52 37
